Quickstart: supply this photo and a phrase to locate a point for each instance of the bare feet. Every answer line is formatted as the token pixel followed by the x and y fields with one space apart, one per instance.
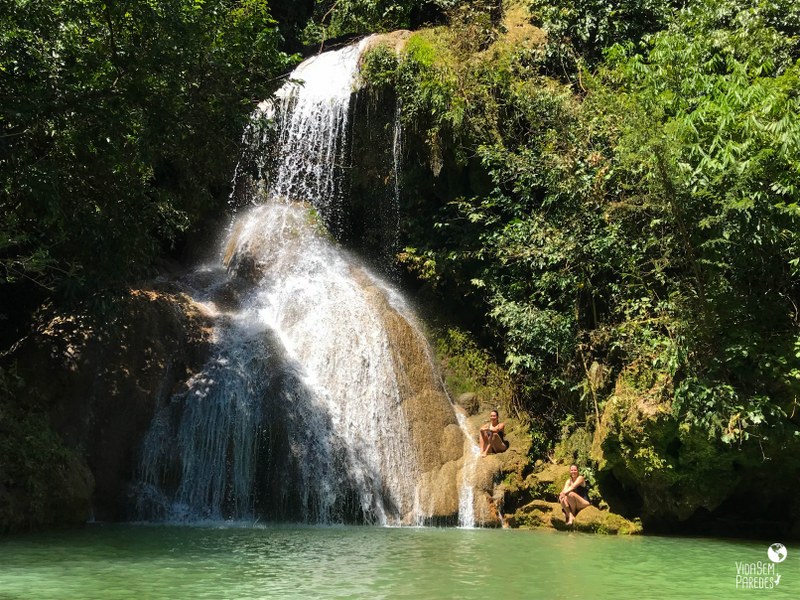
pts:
pixel 569 518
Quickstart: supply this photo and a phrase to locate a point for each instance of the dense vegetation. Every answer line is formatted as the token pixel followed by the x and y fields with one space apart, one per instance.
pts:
pixel 120 129
pixel 638 231
pixel 343 18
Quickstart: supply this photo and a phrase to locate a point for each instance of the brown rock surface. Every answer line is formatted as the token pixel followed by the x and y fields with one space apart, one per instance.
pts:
pixel 434 431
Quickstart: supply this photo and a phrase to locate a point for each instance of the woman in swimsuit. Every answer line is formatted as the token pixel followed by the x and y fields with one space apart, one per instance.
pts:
pixel 574 497
pixel 493 437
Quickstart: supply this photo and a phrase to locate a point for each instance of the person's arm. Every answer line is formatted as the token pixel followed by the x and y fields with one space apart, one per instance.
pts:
pixel 579 481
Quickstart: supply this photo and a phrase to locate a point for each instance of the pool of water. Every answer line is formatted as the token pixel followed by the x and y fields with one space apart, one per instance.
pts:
pixel 239 562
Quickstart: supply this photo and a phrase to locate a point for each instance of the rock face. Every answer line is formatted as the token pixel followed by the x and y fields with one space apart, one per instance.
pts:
pixel 677 477
pixel 434 433
pixel 492 472
pixel 97 381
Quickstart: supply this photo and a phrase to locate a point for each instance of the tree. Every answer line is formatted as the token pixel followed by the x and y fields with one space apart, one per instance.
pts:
pixel 119 128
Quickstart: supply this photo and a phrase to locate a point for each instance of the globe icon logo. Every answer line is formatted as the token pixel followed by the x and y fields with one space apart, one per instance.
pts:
pixel 777 553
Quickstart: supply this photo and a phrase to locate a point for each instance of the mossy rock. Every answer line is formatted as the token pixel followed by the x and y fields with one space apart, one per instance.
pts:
pixel 574 448
pixel 666 470
pixel 470 402
pixel 541 513
pixel 549 480
pixel 594 520
pixel 533 515
pixel 640 444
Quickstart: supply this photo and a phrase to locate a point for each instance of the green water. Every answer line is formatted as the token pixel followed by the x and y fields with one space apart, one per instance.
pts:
pixel 143 562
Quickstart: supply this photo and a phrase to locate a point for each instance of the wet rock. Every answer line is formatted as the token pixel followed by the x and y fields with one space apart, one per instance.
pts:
pixel 496 475
pixel 440 501
pixel 435 435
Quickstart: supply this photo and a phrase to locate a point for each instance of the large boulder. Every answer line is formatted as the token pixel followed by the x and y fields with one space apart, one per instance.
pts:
pixel 494 476
pixel 541 513
pixel 543 510
pixel 663 470
pixel 435 435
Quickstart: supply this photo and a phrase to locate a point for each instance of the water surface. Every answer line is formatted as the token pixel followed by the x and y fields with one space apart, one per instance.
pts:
pixel 243 562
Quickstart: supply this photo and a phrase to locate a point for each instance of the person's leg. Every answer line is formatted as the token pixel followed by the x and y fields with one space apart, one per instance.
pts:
pixel 498 445
pixel 484 435
pixel 576 504
pixel 565 508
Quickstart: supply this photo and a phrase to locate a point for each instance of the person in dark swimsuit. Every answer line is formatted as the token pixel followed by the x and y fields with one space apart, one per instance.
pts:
pixel 574 497
pixel 493 436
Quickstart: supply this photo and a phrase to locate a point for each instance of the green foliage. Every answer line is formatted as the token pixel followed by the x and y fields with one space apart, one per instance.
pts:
pixel 490 245
pixel 468 368
pixel 379 66
pixel 119 128
pixel 651 220
pixel 335 18
pixel 723 82
pixel 580 31
pixel 540 445
pixel 32 460
pixel 575 445
pixel 427 83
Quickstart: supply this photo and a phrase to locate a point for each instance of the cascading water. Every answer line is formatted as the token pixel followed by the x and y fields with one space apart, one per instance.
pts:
pixel 298 413
pixel 466 492
pixel 297 141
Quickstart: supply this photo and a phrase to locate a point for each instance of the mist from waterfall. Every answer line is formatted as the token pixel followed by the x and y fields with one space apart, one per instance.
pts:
pixel 297 414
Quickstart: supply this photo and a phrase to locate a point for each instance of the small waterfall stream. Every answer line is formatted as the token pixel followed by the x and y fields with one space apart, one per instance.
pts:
pixel 466 490
pixel 298 413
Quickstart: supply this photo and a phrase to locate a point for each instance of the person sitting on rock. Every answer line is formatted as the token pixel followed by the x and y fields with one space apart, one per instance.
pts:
pixel 492 435
pixel 574 497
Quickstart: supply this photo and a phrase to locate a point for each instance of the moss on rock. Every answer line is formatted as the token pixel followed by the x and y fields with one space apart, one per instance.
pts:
pixel 652 463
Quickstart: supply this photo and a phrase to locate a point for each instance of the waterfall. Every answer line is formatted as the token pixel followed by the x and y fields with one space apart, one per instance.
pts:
pixel 466 490
pixel 297 141
pixel 394 193
pixel 299 412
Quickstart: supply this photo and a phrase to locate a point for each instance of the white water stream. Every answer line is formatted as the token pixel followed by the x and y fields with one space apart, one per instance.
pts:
pixel 298 413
